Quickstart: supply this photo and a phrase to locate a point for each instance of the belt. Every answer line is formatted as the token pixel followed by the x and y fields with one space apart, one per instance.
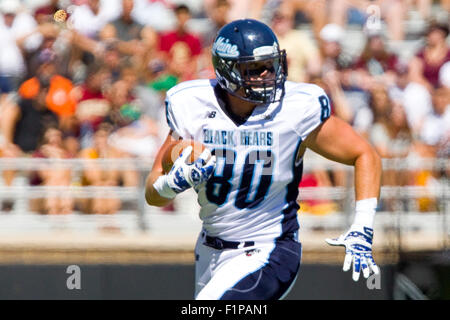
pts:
pixel 219 244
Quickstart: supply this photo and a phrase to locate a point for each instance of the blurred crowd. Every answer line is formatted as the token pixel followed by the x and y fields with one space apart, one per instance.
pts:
pixel 91 85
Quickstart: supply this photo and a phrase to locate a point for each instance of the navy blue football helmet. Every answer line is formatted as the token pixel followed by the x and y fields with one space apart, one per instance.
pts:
pixel 248 61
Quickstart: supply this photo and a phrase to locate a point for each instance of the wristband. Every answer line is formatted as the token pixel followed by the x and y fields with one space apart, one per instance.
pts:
pixel 162 187
pixel 365 212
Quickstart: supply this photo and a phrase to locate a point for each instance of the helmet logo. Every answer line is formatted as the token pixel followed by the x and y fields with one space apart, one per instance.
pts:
pixel 224 48
pixel 265 50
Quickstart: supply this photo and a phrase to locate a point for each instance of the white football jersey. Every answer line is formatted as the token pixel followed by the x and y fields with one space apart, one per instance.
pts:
pixel 252 194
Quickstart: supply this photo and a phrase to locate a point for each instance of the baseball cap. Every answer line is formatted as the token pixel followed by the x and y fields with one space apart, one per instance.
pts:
pixel 9 6
pixel 332 33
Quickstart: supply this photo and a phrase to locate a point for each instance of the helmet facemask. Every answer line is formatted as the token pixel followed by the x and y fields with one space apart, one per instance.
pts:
pixel 257 79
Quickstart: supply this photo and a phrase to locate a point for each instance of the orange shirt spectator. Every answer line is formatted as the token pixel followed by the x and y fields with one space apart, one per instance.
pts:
pixel 59 98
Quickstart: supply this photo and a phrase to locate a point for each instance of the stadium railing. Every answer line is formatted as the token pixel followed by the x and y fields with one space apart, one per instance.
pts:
pixel 399 219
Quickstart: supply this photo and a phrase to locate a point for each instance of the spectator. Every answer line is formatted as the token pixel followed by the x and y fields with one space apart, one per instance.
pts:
pixel 240 9
pixel 376 63
pixel 392 11
pixel 125 28
pixel 15 25
pixel 122 102
pixel 90 18
pixel 434 140
pixel 136 134
pixel 151 101
pixel 392 138
pixel 444 76
pixel 139 137
pixel 22 125
pixel 218 17
pixel 113 60
pixel 424 67
pixel 107 176
pixel 61 95
pixel 380 103
pixel 54 38
pixel 44 12
pixel 156 14
pixel 302 54
pixel 435 130
pixel 93 106
pixel 331 50
pixel 445 4
pixel 130 39
pixel 180 48
pixel 46 47
pixel 337 70
pixel 52 147
pixel 444 79
pixel 314 10
pixel 125 54
pixel 413 97
pixel 340 10
pixel 60 98
pixel 317 178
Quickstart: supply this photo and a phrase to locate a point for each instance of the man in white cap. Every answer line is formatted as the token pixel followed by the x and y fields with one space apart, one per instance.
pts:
pixel 15 23
pixel 331 37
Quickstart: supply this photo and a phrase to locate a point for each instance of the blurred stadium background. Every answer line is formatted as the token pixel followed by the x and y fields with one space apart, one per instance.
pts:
pixel 82 115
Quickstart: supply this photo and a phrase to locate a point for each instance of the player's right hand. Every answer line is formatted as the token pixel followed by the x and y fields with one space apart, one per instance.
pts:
pixel 183 175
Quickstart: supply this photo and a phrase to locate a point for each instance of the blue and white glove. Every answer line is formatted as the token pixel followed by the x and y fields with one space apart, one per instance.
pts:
pixel 183 176
pixel 358 241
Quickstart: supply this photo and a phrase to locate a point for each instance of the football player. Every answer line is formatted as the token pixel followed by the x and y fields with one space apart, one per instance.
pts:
pixel 257 126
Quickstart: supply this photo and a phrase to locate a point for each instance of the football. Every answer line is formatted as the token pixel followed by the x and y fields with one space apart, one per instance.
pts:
pixel 175 148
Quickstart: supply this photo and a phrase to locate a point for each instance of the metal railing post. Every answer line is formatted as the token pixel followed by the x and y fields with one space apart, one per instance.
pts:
pixel 141 200
pixel 349 197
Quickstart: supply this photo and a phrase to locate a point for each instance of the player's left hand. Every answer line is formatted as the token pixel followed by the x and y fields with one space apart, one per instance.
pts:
pixel 358 250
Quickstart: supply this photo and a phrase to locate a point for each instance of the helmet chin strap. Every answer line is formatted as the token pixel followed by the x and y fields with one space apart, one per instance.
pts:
pixel 262 110
pixel 246 98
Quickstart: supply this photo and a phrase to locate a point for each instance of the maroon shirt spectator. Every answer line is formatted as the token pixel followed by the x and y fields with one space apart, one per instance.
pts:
pixel 424 67
pixel 431 70
pixel 93 106
pixel 180 34
pixel 180 48
pixel 168 40
pixel 375 59
pixel 387 64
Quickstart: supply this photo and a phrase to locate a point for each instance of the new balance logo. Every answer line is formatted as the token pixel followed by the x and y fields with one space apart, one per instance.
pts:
pixel 212 114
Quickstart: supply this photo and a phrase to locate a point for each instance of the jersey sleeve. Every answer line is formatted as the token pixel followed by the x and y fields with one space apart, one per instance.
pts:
pixel 173 121
pixel 316 111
